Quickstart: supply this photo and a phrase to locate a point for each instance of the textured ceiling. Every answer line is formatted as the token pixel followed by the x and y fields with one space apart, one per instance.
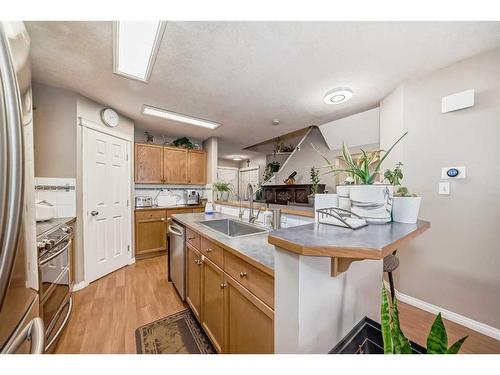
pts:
pixel 244 74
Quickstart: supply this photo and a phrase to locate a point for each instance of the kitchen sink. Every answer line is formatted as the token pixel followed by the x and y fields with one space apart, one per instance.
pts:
pixel 233 228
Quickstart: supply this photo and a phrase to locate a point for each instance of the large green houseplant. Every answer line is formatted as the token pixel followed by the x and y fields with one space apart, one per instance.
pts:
pixel 395 342
pixel 222 188
pixel 368 199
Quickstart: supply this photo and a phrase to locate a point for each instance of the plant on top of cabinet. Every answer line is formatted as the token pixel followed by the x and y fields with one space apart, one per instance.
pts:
pixel 184 142
pixel 405 205
pixel 395 342
pixel 368 199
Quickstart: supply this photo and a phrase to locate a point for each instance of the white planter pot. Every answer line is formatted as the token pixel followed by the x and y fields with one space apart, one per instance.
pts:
pixel 343 193
pixel 372 202
pixel 405 209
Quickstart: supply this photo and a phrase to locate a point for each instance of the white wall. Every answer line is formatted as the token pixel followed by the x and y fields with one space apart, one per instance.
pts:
pixel 356 130
pixel 454 265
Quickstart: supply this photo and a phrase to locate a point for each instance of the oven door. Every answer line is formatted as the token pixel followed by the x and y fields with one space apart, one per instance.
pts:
pixel 53 265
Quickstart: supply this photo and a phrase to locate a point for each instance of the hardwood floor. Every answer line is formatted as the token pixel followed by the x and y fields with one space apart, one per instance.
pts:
pixel 107 313
pixel 417 323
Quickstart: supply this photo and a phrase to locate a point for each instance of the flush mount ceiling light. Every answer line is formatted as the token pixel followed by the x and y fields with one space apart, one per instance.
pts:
pixel 135 46
pixel 338 96
pixel 237 158
pixel 158 112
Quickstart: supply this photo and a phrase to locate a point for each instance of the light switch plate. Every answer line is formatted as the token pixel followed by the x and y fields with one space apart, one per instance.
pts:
pixel 444 188
pixel 462 173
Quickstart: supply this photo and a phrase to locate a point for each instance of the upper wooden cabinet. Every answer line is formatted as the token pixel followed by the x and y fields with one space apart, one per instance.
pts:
pixel 148 164
pixel 197 167
pixel 175 165
pixel 156 164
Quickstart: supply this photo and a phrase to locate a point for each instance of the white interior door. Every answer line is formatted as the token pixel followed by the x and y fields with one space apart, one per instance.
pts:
pixel 106 202
pixel 248 176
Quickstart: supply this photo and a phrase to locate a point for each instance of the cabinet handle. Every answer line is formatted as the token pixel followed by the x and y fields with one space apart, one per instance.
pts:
pixel 223 285
pixel 162 219
pixel 191 238
pixel 209 250
pixel 198 262
pixel 243 274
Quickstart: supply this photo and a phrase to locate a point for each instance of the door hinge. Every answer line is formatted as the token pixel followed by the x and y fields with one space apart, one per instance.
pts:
pixel 127 157
pixel 128 248
pixel 128 203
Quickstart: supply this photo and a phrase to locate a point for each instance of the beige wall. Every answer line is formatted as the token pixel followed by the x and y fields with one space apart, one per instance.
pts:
pixel 54 131
pixel 228 163
pixel 455 265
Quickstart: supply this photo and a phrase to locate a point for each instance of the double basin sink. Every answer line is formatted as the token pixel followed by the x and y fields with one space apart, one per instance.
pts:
pixel 233 228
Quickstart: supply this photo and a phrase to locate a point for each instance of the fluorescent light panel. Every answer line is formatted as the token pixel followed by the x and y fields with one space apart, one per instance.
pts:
pixel 158 112
pixel 136 45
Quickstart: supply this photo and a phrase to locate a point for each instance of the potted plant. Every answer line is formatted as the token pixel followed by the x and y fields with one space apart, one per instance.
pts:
pixel 369 199
pixel 222 188
pixel 314 184
pixel 405 206
pixel 395 342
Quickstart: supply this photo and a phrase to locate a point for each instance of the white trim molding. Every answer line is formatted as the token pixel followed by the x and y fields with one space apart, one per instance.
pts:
pixel 100 128
pixel 447 314
pixel 79 286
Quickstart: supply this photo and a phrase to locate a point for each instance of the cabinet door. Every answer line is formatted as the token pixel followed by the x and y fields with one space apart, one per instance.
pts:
pixel 197 167
pixel 212 303
pixel 175 165
pixel 248 322
pixel 193 277
pixel 150 232
pixel 148 164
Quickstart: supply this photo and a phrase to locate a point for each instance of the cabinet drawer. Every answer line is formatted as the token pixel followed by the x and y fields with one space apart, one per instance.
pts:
pixel 193 238
pixel 256 281
pixel 212 251
pixel 149 215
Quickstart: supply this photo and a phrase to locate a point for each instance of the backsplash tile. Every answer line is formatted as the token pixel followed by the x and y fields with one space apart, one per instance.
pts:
pixel 60 192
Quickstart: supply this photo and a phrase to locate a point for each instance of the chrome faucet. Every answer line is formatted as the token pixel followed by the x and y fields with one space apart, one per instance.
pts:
pixel 155 199
pixel 251 216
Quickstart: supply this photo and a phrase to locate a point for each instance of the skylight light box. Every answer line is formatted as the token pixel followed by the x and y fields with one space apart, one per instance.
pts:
pixel 136 45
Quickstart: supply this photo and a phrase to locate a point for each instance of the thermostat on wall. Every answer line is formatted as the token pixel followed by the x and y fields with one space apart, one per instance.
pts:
pixel 452 172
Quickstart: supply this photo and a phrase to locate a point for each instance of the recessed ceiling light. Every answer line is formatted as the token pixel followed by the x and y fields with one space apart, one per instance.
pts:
pixel 276 122
pixel 338 96
pixel 158 112
pixel 135 46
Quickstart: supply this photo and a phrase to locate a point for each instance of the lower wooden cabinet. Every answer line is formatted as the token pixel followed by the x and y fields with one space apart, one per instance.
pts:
pixel 150 231
pixel 212 303
pixel 235 318
pixel 193 280
pixel 248 322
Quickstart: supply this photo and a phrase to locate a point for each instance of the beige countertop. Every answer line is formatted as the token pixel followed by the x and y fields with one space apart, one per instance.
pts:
pixel 168 207
pixel 370 242
pixel 254 249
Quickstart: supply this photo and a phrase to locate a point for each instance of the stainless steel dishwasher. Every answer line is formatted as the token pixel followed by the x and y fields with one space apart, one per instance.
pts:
pixel 177 257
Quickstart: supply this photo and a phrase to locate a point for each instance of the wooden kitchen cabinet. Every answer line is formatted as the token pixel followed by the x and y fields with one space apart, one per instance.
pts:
pixel 155 164
pixel 193 280
pixel 248 322
pixel 197 167
pixel 150 231
pixel 212 303
pixel 175 165
pixel 148 162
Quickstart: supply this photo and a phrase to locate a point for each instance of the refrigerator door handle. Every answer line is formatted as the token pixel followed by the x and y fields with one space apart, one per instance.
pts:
pixel 12 188
pixel 34 332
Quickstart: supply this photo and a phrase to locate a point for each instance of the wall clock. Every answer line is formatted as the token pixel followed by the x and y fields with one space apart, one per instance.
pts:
pixel 110 117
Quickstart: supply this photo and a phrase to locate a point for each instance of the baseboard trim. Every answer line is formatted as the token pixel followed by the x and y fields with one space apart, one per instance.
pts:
pixel 79 286
pixel 449 315
pixel 131 261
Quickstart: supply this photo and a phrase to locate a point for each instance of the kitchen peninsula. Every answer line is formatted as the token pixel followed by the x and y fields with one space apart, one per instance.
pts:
pixel 294 290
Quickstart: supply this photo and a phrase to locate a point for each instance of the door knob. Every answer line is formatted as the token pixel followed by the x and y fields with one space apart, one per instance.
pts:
pixel 94 213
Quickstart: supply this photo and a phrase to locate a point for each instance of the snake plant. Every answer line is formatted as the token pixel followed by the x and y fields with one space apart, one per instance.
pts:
pixel 395 342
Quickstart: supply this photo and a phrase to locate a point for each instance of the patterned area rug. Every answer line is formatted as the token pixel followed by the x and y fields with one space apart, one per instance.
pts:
pixel 178 333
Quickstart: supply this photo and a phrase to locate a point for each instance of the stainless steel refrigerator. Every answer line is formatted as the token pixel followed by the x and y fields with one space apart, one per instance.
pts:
pixel 21 329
